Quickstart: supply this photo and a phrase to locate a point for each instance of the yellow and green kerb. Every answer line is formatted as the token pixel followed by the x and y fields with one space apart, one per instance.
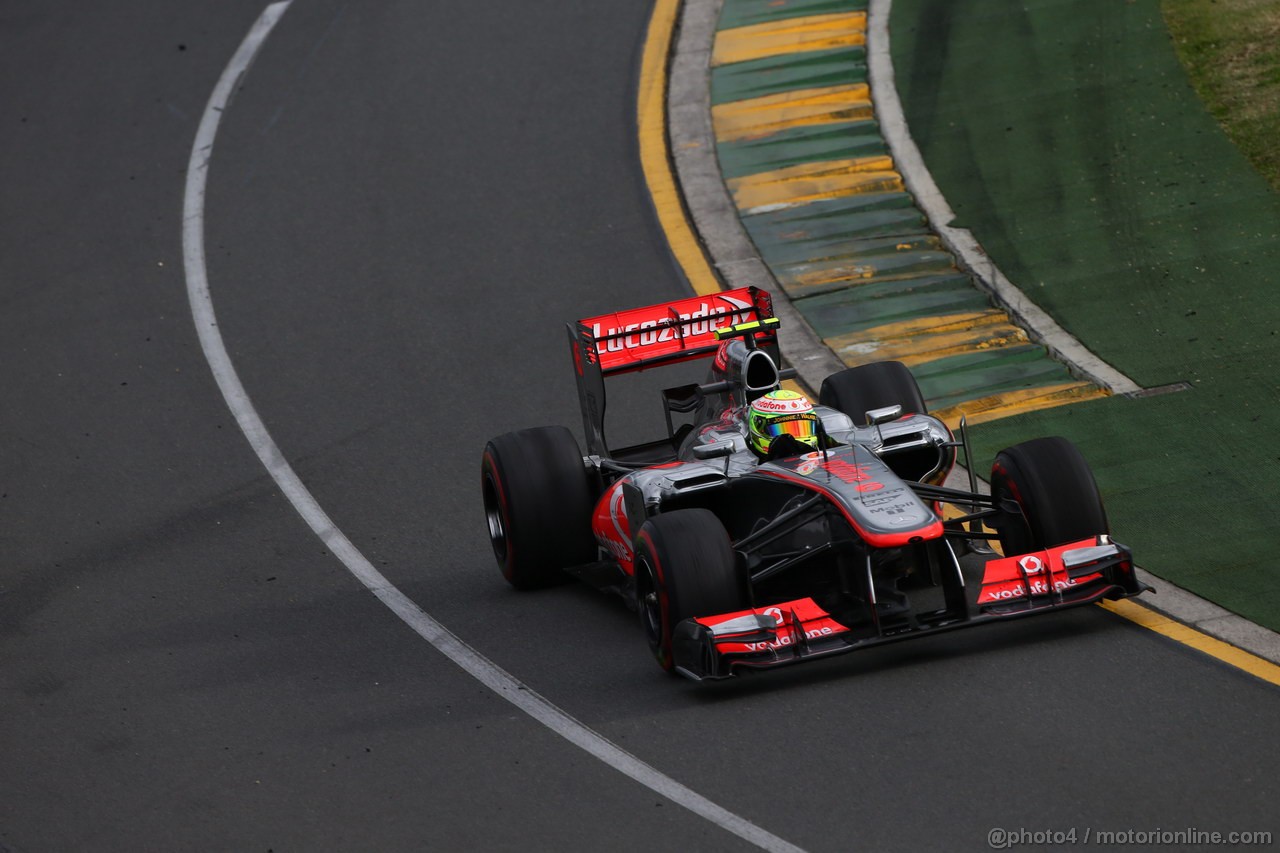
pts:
pixel 817 191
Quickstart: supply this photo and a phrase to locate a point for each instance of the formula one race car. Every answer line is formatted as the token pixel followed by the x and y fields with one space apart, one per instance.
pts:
pixel 832 538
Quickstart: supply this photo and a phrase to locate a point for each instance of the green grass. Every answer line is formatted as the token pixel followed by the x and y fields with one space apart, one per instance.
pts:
pixel 1231 50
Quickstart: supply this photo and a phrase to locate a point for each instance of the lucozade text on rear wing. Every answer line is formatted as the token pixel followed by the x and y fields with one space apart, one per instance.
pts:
pixel 657 335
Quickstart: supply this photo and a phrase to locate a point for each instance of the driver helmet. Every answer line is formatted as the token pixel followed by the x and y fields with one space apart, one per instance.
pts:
pixel 780 413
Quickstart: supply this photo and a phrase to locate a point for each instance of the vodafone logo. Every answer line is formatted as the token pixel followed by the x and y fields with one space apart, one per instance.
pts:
pixel 1011 591
pixel 1032 565
pixel 784 405
pixel 786 639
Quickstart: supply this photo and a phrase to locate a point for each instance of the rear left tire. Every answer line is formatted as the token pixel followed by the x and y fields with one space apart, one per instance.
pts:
pixel 537 503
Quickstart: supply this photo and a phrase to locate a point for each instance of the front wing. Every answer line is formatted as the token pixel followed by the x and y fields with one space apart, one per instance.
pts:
pixel 716 647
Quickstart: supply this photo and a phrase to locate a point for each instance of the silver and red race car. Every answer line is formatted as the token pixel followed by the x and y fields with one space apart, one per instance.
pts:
pixel 738 562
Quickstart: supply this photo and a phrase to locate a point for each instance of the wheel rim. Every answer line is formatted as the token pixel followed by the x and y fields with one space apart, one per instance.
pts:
pixel 650 604
pixel 493 515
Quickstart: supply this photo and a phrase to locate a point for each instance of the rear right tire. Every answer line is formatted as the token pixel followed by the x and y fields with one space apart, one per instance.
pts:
pixel 858 390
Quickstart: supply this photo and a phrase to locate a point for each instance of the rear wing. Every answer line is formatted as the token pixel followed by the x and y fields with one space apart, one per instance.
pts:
pixel 653 336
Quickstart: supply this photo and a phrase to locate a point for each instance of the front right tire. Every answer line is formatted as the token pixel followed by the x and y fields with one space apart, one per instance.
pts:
pixel 1054 489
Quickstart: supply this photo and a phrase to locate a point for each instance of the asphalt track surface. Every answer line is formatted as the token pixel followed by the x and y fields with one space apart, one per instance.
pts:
pixel 406 203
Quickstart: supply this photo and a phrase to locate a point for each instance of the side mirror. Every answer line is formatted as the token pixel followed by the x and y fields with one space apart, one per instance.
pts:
pixel 714 450
pixel 876 417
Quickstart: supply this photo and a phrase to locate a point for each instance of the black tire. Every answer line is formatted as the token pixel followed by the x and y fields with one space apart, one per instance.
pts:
pixel 872 386
pixel 685 567
pixel 1052 484
pixel 537 502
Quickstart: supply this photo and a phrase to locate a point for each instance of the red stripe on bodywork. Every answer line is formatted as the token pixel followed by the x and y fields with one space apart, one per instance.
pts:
pixel 612 528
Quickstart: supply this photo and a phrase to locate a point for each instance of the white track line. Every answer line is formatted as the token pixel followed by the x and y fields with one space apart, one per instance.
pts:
pixel 471 661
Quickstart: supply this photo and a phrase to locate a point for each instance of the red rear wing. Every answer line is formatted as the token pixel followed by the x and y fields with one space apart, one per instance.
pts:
pixel 641 338
pixel 669 332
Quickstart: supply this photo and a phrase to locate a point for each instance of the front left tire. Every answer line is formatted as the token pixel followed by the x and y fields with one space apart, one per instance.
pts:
pixel 685 568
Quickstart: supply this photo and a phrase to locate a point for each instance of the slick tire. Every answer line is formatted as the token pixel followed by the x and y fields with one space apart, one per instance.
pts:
pixel 537 503
pixel 872 386
pixel 685 567
pixel 1052 485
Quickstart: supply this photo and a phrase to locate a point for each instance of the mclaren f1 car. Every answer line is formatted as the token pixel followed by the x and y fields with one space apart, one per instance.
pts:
pixel 739 560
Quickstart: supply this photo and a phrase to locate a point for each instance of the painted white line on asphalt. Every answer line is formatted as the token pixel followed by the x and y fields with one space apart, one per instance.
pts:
pixel 471 661
pixel 910 163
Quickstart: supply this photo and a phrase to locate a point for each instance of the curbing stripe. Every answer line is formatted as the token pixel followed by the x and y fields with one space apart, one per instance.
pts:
pixel 765 192
pixel 745 12
pixel 781 73
pixel 913 350
pixel 1019 402
pixel 756 117
pixel 815 171
pixel 822 179
pixel 790 35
